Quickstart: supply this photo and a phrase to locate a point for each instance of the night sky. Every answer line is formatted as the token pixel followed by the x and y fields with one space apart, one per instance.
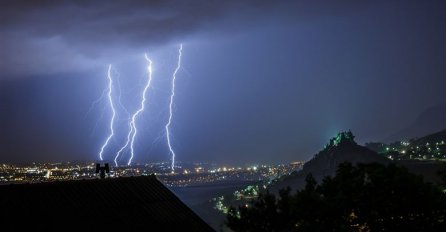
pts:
pixel 261 81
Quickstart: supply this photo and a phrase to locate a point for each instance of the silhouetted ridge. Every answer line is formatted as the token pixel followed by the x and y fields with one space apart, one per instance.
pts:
pixel 432 138
pixel 91 205
pixel 429 121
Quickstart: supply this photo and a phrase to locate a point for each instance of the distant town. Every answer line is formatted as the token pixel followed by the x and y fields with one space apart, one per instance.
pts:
pixel 186 174
pixel 431 147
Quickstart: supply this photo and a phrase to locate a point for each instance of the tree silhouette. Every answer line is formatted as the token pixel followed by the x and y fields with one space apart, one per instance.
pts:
pixel 366 197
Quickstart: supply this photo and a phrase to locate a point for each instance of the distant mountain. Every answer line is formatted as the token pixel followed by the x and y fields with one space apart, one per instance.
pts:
pixel 340 149
pixel 429 121
pixel 432 138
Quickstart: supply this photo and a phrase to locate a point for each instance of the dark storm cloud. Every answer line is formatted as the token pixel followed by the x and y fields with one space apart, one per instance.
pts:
pixel 38 34
pixel 107 21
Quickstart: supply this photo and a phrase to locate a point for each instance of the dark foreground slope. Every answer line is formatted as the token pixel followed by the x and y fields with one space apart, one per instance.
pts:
pixel 133 203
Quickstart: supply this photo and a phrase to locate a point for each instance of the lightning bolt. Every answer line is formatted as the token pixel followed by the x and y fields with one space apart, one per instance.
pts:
pixel 172 95
pixel 93 104
pixel 112 106
pixel 132 124
pixel 99 100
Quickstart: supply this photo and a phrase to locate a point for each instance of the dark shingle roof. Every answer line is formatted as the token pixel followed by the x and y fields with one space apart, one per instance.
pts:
pixel 109 204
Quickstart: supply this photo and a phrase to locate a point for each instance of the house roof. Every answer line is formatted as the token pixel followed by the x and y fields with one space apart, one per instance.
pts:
pixel 111 203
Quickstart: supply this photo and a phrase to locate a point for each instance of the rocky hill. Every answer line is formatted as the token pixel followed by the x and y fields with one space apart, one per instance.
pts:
pixel 340 149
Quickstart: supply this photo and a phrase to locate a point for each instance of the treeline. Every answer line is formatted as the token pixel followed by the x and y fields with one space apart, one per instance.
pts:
pixel 366 197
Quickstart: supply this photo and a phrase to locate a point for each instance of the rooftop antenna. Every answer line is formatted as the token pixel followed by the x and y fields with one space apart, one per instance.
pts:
pixel 102 170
